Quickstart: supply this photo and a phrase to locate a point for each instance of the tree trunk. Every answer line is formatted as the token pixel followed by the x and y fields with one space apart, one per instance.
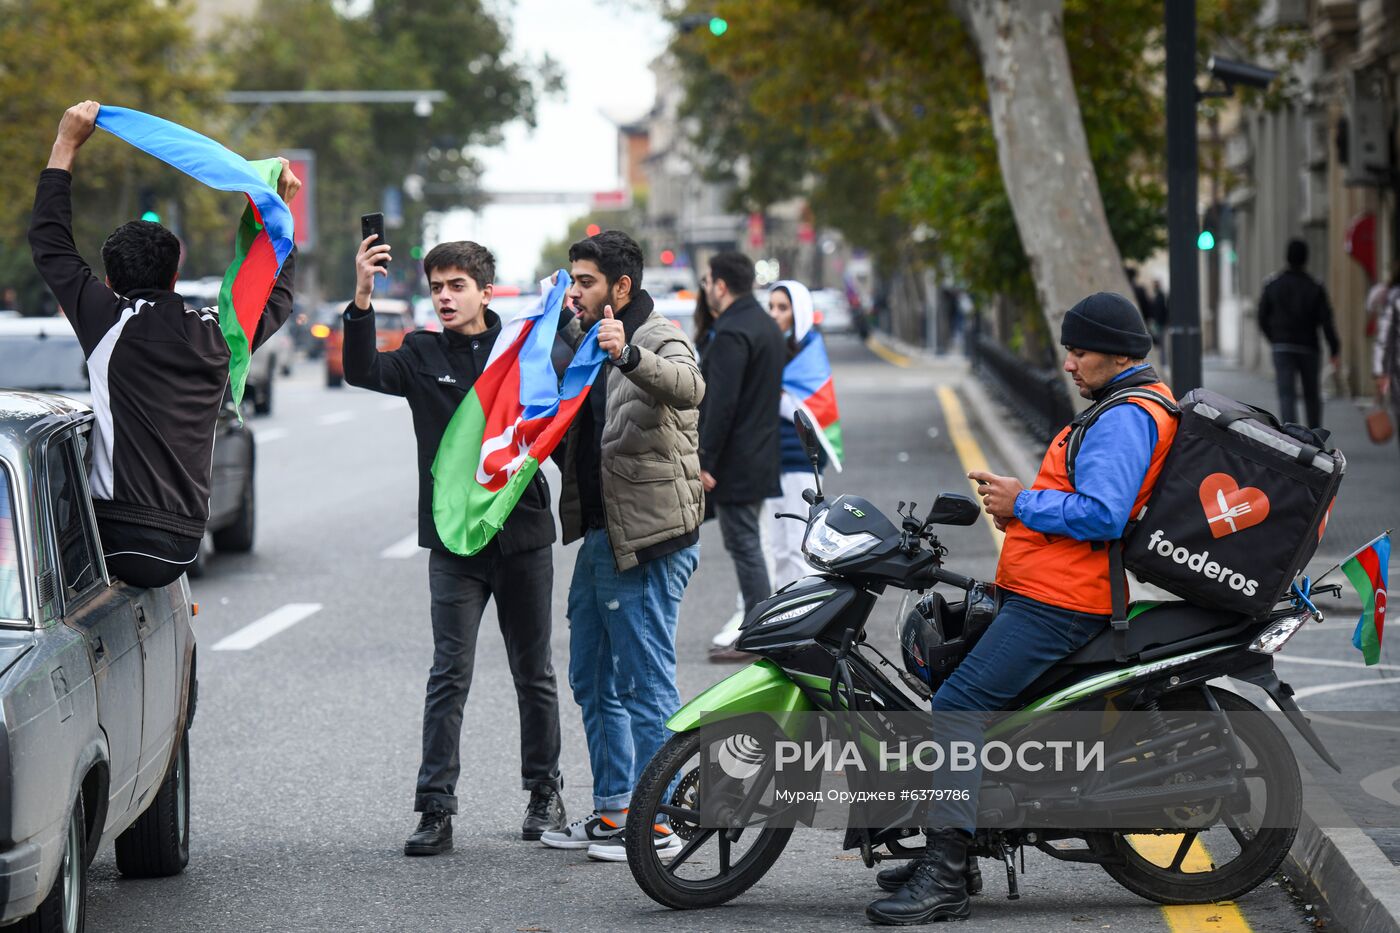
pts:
pixel 1044 153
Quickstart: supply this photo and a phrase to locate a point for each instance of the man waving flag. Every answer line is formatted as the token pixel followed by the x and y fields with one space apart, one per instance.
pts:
pixel 515 416
pixel 265 234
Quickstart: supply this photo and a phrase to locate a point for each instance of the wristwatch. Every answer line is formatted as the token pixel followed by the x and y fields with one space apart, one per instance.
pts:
pixel 624 356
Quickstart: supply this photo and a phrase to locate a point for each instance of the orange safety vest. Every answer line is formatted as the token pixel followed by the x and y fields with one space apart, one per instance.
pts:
pixel 1056 569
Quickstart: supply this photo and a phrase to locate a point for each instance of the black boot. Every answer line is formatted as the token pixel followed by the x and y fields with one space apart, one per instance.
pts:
pixel 433 835
pixel 937 890
pixel 544 813
pixel 892 879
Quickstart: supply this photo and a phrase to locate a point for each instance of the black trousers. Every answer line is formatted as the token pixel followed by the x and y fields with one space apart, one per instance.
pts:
pixel 142 556
pixel 1290 367
pixel 460 587
pixel 739 526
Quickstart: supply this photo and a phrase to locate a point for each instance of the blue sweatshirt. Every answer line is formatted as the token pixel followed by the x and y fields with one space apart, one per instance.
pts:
pixel 1112 462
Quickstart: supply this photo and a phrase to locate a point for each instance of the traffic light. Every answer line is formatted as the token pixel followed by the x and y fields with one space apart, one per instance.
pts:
pixel 593 230
pixel 667 257
pixel 1216 226
pixel 148 206
pixel 718 25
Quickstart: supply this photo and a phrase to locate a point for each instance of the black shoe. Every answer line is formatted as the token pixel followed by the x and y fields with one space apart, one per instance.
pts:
pixel 433 835
pixel 937 888
pixel 544 812
pixel 892 879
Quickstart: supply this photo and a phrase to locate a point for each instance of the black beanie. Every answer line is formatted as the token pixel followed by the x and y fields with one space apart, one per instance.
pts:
pixel 1108 323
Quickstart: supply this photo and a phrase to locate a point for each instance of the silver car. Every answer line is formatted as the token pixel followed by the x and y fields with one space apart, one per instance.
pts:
pixel 97 683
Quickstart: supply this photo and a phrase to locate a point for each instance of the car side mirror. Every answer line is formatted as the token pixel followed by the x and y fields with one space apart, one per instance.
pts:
pixel 951 508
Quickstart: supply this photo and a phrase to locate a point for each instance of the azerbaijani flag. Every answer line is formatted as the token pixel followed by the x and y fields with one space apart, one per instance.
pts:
pixel 808 386
pixel 1367 570
pixel 515 415
pixel 264 234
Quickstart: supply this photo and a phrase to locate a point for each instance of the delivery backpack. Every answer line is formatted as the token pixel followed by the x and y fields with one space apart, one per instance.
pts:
pixel 1238 510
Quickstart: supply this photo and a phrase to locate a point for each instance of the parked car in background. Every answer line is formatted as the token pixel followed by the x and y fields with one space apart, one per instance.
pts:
pixel 833 311
pixel 393 319
pixel 42 354
pixel 97 683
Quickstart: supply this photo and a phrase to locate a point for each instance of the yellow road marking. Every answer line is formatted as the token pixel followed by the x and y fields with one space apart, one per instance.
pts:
pixel 1224 917
pixel 894 357
pixel 969 451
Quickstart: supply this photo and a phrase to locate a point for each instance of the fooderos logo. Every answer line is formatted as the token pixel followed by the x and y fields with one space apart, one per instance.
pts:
pixel 1229 510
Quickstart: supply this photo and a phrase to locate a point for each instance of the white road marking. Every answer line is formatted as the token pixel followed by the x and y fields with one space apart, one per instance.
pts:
pixel 403 549
pixel 1328 662
pixel 336 417
pixel 279 620
pixel 1381 785
pixel 1344 685
pixel 268 435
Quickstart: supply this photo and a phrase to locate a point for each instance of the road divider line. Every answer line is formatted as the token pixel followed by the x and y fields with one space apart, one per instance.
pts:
pixel 893 357
pixel 336 417
pixel 403 549
pixel 1221 917
pixel 1329 662
pixel 268 435
pixel 279 620
pixel 969 451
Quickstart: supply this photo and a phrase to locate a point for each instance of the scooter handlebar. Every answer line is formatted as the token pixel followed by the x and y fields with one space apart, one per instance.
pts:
pixel 953 579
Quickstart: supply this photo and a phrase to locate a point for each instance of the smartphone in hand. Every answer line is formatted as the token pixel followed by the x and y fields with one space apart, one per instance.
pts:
pixel 372 224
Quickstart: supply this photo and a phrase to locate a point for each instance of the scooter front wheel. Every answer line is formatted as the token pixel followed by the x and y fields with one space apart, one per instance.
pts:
pixel 712 866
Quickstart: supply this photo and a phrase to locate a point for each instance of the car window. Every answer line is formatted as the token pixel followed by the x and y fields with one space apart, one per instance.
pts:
pixel 11 594
pixel 77 562
pixel 389 320
pixel 45 362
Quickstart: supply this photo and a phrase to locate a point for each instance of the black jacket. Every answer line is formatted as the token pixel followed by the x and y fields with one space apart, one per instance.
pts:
pixel 743 372
pixel 1292 309
pixel 158 373
pixel 435 372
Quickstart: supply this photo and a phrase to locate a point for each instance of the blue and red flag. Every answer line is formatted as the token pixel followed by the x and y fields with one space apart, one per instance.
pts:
pixel 514 417
pixel 808 385
pixel 1368 570
pixel 264 233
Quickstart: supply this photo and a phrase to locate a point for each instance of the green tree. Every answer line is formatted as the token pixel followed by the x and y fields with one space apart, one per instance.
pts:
pixel 136 53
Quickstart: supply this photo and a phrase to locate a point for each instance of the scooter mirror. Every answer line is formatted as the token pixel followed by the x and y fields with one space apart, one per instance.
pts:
pixel 806 435
pixel 951 508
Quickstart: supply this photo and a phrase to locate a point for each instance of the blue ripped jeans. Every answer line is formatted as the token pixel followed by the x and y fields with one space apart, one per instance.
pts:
pixel 1025 640
pixel 622 659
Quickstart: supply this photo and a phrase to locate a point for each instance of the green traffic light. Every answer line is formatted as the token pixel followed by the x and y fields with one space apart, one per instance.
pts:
pixel 152 216
pixel 718 26
pixel 416 252
pixel 1206 240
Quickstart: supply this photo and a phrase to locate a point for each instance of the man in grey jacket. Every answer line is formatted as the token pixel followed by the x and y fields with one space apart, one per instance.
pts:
pixel 631 491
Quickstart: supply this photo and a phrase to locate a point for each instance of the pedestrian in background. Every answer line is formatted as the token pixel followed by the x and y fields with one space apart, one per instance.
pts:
pixel 739 445
pixel 1385 355
pixel 704 323
pixel 631 491
pixel 1292 309
pixel 435 371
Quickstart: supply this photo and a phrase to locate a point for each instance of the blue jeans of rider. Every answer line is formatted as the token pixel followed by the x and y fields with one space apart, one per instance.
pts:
pixel 622 659
pixel 1024 641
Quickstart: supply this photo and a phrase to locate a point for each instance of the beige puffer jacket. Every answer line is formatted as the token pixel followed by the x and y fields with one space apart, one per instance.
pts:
pixel 650 464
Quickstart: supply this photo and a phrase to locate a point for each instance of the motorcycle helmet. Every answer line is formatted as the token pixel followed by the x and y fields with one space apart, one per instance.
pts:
pixel 935 636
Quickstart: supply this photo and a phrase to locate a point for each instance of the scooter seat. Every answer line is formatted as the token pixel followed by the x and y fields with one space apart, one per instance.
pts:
pixel 1161 625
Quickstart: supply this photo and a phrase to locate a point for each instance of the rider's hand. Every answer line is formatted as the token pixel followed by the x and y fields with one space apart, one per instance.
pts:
pixel 998 493
pixel 369 262
pixel 1001 523
pixel 288 184
pixel 74 129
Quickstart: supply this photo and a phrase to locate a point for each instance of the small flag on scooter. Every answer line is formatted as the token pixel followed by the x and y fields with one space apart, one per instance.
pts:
pixel 1367 570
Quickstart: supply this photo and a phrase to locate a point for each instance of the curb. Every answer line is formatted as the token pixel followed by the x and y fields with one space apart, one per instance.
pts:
pixel 1347 870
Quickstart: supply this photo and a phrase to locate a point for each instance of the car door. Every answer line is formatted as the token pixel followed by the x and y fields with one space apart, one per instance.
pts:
pixel 101 613
pixel 232 441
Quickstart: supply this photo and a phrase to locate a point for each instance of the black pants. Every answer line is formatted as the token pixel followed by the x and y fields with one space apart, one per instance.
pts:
pixel 739 526
pixel 1291 365
pixel 460 587
pixel 146 557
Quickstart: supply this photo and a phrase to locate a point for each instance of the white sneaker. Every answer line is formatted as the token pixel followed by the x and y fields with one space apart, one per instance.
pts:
pixel 580 834
pixel 667 843
pixel 729 634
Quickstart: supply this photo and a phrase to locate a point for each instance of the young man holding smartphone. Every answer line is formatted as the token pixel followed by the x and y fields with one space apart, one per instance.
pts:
pixel 435 372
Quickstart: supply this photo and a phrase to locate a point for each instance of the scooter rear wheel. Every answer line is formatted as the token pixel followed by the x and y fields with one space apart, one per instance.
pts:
pixel 710 868
pixel 1236 853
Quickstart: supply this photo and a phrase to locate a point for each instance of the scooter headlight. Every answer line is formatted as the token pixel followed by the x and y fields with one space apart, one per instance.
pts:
pixel 826 545
pixel 1276 635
